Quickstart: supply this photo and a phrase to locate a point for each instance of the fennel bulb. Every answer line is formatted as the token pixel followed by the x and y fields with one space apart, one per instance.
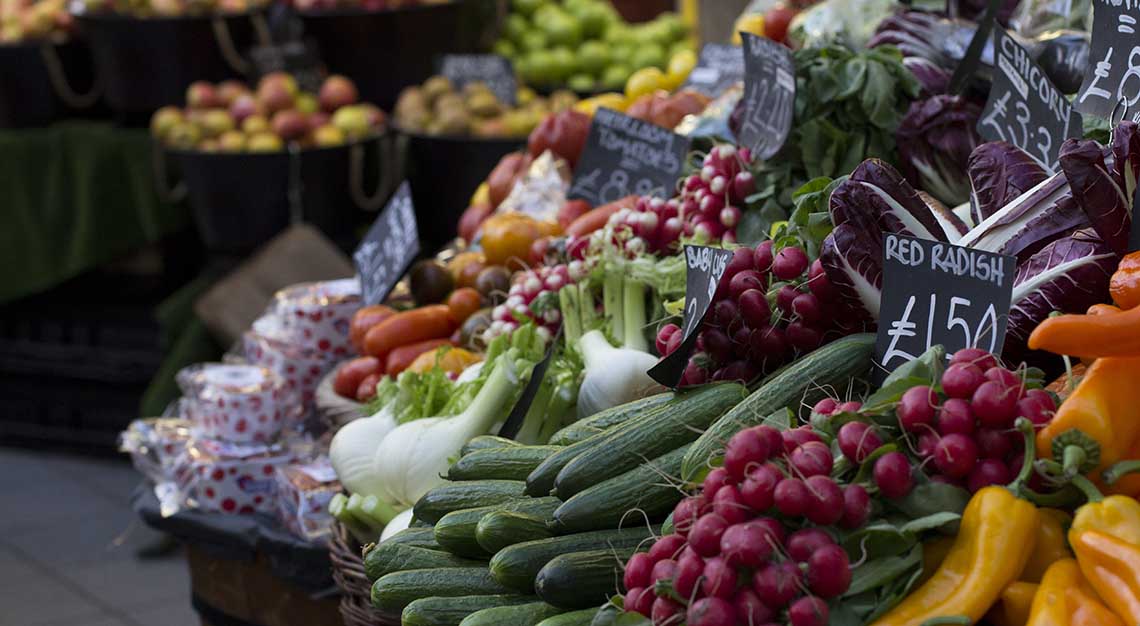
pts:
pixel 398 523
pixel 412 458
pixel 353 447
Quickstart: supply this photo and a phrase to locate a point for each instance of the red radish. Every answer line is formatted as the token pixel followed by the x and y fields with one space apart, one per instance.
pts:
pixel 686 513
pixel 829 571
pixel 803 543
pixel 730 216
pixel 851 406
pixel 955 416
pixel 719 578
pixel 791 497
pixel 774 437
pixel 717 344
pixel 758 489
pixel 811 459
pixel 664 569
pixel 665 611
pixel 667 547
pixel 785 297
pixel 745 449
pixel 892 475
pixel 695 373
pixel 826 500
pixel 745 545
pixel 808 611
pixel 777 583
pixel 975 356
pixel 819 283
pixel 710 612
pixel 637 571
pixel 916 409
pixel 1042 396
pixel 856 507
pixel 803 337
pixel 1035 410
pixel 1003 376
pixel 995 404
pixel 826 406
pixel 663 336
pixel 796 437
pixel 745 280
pixel 807 307
pixel 955 455
pixel 741 260
pixel 717 478
pixel 754 308
pixel 857 441
pixel 790 263
pixel 639 600
pixel 743 185
pixel 773 531
pixel 988 472
pixel 961 380
pixel 728 504
pixel 993 444
pixel 705 535
pixel 740 339
pixel 762 257
pixel 725 313
pixel 750 610
pixel 690 568
pixel 926 444
pixel 768 343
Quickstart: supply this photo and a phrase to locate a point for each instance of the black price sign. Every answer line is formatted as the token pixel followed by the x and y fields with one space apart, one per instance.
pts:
pixel 719 67
pixel 769 95
pixel 517 417
pixel 297 58
pixel 1113 81
pixel 492 69
pixel 1024 107
pixel 936 293
pixel 704 267
pixel 388 249
pixel 626 156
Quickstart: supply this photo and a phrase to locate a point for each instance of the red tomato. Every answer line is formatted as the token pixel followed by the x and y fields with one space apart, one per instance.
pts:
pixel 776 22
pixel 367 389
pixel 350 375
pixel 538 250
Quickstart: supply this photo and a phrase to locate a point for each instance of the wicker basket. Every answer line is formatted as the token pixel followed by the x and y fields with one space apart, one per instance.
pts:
pixel 348 572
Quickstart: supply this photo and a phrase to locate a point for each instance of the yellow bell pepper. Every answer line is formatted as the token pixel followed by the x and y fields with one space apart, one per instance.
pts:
pixel 934 552
pixel 1112 567
pixel 1051 545
pixel 1066 599
pixel 1118 516
pixel 1014 605
pixel 996 535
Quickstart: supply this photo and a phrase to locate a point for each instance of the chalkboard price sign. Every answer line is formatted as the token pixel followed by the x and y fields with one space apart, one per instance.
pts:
pixel 769 95
pixel 388 249
pixel 297 58
pixel 704 268
pixel 936 293
pixel 1024 107
pixel 1112 84
pixel 718 67
pixel 494 70
pixel 626 156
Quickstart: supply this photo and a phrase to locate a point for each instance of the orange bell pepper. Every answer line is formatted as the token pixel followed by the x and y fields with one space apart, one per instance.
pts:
pixel 1125 284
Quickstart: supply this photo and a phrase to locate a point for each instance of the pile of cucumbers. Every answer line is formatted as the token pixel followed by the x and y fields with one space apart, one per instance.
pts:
pixel 537 535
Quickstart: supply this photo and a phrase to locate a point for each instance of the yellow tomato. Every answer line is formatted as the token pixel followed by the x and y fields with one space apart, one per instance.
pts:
pixel 750 23
pixel 644 81
pixel 679 67
pixel 612 100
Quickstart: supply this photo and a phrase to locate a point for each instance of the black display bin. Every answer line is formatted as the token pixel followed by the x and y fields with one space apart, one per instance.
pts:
pixel 145 64
pixel 443 173
pixel 28 96
pixel 241 200
pixel 385 51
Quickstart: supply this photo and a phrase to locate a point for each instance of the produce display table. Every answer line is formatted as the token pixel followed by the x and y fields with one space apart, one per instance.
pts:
pixel 247 570
pixel 76 195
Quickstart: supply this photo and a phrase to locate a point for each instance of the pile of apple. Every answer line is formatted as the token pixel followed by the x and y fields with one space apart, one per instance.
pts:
pixel 367 5
pixel 168 8
pixel 24 20
pixel 438 107
pixel 229 117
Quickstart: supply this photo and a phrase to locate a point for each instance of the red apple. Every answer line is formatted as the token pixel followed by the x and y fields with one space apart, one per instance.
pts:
pixel 290 125
pixel 336 92
pixel 201 95
pixel 276 92
pixel 318 119
pixel 244 106
pixel 229 90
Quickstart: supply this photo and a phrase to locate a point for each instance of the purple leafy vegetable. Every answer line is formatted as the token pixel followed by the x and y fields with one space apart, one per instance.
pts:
pixel 935 140
pixel 1068 275
pixel 1036 218
pixel 877 197
pixel 852 257
pixel 1000 172
pixel 934 78
pixel 1097 191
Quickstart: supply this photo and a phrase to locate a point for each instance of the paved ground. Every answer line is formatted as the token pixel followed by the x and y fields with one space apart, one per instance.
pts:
pixel 69 546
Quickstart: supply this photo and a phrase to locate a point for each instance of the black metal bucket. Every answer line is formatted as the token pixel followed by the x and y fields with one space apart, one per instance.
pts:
pixel 443 173
pixel 28 95
pixel 241 200
pixel 145 64
pixel 385 51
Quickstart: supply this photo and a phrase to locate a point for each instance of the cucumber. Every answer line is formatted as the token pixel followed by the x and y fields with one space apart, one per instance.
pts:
pixel 802 383
pixel 397 557
pixel 573 618
pixel 457 531
pixel 450 611
pixel 450 497
pixel 602 420
pixel 499 529
pixel 608 503
pixel 631 443
pixel 516 566
pixel 483 442
pixel 513 463
pixel 416 537
pixel 392 592
pixel 582 579
pixel 517 615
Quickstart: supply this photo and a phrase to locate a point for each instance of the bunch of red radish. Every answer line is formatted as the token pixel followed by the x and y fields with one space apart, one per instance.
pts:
pixel 533 296
pixel 963 429
pixel 753 547
pixel 769 307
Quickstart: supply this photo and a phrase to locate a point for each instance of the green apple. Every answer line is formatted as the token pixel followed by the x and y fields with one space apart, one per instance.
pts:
pixel 613 79
pixel 515 27
pixel 582 83
pixel 562 29
pixel 565 63
pixel 533 41
pixel 595 19
pixel 526 7
pixel 649 55
pixel 505 48
pixel 542 67
pixel 593 57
